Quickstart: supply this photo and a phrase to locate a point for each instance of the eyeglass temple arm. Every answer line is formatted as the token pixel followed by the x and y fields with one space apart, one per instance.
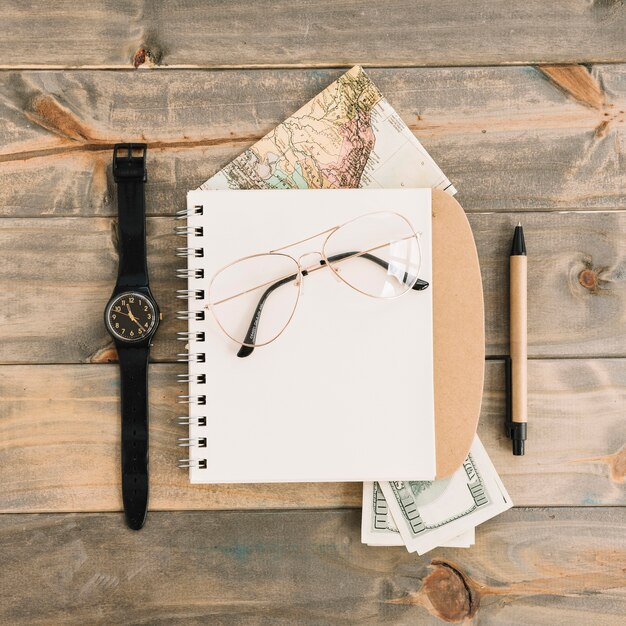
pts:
pixel 256 318
pixel 246 350
pixel 419 285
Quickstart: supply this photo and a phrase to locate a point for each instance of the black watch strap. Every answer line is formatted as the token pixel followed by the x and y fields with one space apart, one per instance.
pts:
pixel 130 174
pixel 134 392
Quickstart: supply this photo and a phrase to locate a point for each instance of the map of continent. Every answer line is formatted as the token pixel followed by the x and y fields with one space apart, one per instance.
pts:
pixel 325 144
pixel 347 136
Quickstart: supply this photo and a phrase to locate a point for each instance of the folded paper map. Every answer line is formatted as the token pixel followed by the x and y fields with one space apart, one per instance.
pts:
pixel 347 136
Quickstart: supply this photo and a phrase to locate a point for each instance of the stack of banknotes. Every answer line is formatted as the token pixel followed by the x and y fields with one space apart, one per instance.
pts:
pixel 423 515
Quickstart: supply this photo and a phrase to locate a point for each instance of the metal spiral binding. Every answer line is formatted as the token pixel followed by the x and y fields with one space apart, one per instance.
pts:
pixel 190 315
pixel 183 214
pixel 194 252
pixel 188 442
pixel 189 231
pixel 185 335
pixel 184 399
pixel 199 379
pixel 190 294
pixel 184 272
pixel 191 357
pixel 187 463
pixel 185 420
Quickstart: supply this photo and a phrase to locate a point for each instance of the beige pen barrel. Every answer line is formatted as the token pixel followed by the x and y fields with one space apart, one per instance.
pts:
pixel 518 338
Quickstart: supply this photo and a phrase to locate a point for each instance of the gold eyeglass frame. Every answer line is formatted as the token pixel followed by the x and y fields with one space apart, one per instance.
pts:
pixel 303 271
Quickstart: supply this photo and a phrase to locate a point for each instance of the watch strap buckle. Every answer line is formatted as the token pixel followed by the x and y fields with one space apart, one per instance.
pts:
pixel 129 166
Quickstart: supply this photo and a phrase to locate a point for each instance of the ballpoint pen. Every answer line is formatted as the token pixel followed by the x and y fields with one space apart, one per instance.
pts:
pixel 516 363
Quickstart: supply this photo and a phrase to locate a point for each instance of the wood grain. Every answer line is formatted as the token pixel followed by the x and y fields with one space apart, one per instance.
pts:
pixel 577 82
pixel 59 434
pixel 56 275
pixel 321 33
pixel 576 281
pixel 309 568
pixel 510 138
pixel 574 406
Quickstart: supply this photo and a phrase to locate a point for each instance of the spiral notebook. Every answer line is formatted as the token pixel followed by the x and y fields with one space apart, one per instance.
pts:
pixel 345 393
pixel 286 416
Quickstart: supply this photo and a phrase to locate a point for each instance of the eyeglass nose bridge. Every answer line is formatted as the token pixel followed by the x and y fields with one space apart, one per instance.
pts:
pixel 305 270
pixel 306 254
pixel 323 262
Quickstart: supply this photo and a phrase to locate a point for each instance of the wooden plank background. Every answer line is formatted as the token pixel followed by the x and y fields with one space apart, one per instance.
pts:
pixel 563 132
pixel 527 567
pixel 523 106
pixel 576 458
pixel 212 33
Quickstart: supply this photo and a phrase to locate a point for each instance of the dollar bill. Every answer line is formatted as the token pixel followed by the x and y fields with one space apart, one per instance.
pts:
pixel 378 527
pixel 429 513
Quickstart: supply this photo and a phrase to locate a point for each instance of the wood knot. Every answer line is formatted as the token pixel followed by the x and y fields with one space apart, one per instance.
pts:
pixel 139 58
pixel 147 57
pixel 451 594
pixel 589 280
pixel 104 355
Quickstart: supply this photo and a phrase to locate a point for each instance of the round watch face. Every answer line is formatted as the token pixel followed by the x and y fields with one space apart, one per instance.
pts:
pixel 130 316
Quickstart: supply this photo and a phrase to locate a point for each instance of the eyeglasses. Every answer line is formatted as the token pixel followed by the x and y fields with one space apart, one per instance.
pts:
pixel 254 298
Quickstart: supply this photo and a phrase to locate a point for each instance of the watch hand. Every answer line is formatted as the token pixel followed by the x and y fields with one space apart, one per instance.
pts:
pixel 132 317
pixel 138 323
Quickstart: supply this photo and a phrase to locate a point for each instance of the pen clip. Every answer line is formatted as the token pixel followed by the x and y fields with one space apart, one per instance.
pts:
pixel 508 397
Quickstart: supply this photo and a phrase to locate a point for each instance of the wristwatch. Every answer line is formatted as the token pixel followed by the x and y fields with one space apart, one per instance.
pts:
pixel 132 317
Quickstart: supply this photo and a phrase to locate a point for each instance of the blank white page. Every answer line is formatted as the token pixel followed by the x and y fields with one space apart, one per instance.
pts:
pixel 346 392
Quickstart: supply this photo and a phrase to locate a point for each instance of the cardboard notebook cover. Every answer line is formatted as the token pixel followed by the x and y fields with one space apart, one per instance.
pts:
pixel 458 333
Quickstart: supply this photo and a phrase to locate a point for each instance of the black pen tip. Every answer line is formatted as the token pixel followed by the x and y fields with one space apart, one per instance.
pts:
pixel 519 244
pixel 518 447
